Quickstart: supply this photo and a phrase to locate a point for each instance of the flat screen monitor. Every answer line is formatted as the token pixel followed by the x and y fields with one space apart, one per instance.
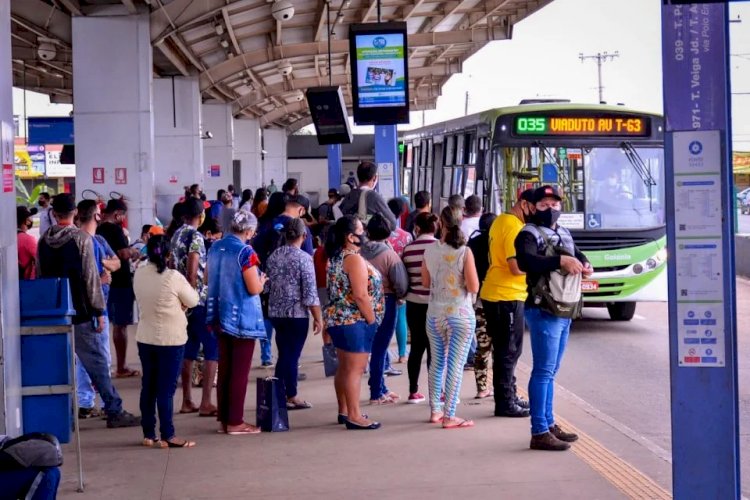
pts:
pixel 328 111
pixel 380 73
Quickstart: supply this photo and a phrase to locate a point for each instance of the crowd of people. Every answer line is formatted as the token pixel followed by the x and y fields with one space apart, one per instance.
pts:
pixel 461 285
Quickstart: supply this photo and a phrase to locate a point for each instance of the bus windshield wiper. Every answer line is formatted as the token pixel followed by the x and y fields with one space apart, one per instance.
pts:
pixel 638 165
pixel 644 172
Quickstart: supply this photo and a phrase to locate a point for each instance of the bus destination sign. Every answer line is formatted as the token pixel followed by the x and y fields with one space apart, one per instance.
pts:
pixel 600 125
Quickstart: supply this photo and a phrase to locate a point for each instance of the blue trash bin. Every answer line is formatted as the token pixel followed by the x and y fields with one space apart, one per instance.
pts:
pixel 46 358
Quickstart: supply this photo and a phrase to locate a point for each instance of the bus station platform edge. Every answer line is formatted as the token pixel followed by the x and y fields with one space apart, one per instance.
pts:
pixel 407 458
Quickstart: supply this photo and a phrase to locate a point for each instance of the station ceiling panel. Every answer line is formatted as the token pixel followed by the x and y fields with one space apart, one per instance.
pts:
pixel 259 62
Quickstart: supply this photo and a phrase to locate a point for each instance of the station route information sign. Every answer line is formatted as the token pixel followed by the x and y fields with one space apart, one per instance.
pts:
pixel 608 125
pixel 698 248
pixel 694 52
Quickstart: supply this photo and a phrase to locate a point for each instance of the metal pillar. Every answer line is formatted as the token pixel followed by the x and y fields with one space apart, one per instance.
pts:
pixel 702 296
pixel 10 338
pixel 334 166
pixel 386 157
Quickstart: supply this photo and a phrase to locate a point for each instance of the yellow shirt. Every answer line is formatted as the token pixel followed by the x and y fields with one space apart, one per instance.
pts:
pixel 500 285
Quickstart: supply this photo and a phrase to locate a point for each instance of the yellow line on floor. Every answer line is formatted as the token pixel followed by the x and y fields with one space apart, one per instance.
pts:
pixel 626 478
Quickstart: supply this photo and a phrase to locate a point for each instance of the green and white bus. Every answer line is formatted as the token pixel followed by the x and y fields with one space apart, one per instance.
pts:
pixel 607 160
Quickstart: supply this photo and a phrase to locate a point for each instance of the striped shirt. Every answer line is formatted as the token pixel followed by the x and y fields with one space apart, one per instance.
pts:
pixel 413 258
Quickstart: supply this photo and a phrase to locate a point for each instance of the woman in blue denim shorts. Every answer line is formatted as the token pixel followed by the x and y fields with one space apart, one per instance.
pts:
pixel 356 307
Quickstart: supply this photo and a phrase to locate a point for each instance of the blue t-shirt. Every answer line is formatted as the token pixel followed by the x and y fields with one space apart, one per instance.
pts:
pixel 102 250
pixel 307 245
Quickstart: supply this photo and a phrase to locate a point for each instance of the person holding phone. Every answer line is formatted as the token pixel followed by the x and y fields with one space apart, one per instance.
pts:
pixel 234 313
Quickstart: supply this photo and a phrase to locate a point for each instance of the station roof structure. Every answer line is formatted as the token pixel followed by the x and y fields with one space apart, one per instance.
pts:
pixel 241 53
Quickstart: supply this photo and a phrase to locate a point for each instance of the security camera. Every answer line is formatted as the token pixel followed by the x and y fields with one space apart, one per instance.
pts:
pixel 46 51
pixel 285 68
pixel 207 135
pixel 282 10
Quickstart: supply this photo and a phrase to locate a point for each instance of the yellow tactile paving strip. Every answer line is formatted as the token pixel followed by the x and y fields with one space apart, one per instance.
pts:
pixel 626 478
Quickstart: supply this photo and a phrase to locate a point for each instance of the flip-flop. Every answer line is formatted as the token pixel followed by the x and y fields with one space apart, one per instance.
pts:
pixel 212 413
pixel 184 444
pixel 483 394
pixel 462 424
pixel 193 409
pixel 128 374
pixel 304 405
pixel 249 429
pixel 436 419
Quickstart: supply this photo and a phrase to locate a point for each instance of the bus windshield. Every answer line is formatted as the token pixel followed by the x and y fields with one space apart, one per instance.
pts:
pixel 624 187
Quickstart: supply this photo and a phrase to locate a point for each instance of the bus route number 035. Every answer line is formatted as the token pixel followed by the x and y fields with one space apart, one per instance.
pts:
pixel 531 125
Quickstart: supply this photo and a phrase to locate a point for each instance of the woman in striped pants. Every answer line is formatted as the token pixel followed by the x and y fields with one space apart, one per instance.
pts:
pixel 450 274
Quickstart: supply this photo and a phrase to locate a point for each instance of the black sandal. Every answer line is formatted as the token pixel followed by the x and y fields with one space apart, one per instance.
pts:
pixel 177 444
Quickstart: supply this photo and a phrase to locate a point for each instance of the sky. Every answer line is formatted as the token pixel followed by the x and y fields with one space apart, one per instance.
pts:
pixel 542 60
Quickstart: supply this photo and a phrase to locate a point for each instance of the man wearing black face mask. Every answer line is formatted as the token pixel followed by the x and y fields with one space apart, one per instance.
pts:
pixel 549 333
pixel 503 293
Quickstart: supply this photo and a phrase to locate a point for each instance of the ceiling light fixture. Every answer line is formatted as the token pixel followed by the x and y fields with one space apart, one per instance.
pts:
pixel 219 29
pixel 224 43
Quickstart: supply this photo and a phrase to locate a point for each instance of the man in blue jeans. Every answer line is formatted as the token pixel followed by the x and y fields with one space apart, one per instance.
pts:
pixel 107 262
pixel 67 252
pixel 549 333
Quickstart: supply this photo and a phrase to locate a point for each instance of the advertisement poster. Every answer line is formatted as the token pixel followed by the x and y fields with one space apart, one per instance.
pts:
pixel 29 161
pixel 380 67
pixel 54 167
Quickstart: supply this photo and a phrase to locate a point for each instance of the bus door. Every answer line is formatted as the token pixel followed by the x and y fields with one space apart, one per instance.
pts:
pixel 435 176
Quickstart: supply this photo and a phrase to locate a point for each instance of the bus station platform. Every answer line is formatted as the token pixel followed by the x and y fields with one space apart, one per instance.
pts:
pixel 407 458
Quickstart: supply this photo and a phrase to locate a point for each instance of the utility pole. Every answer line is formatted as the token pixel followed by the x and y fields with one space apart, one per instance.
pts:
pixel 601 58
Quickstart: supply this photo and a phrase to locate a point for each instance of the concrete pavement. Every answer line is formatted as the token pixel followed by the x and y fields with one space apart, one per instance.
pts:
pixel 407 458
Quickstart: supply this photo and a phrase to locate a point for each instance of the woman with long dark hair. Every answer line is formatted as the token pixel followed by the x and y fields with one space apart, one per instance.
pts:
pixel 356 308
pixel 260 202
pixel 450 274
pixel 163 295
pixel 292 297
pixel 247 199
pixel 178 210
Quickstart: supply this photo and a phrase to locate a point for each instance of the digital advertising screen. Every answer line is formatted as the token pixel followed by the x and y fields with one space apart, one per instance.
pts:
pixel 380 77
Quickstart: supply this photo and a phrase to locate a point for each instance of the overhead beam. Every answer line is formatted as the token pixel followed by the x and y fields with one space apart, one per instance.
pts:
pixel 234 65
pixel 176 60
pixel 491 8
pixel 130 6
pixel 366 13
pixel 32 14
pixel 73 6
pixel 188 14
pixel 321 20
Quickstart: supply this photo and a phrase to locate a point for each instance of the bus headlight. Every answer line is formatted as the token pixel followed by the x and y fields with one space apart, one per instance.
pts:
pixel 651 263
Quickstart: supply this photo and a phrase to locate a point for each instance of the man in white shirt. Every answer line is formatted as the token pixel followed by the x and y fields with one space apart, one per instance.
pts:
pixel 46 217
pixel 472 213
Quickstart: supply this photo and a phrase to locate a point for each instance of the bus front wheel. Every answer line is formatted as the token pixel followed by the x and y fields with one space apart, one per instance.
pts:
pixel 621 311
